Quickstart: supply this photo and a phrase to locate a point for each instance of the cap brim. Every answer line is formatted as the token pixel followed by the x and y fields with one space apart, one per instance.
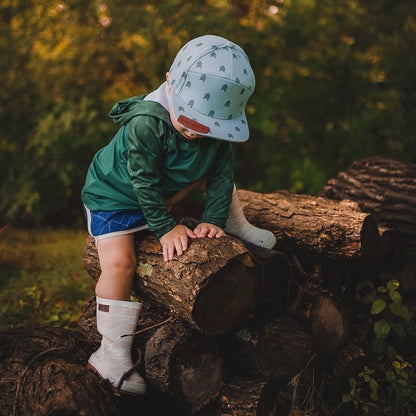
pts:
pixel 233 130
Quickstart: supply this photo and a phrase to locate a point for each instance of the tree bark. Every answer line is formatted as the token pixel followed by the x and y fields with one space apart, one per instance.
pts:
pixel 326 228
pixel 184 364
pixel 243 396
pixel 213 285
pixel 43 372
pixel 282 349
pixel 277 349
pixel 381 186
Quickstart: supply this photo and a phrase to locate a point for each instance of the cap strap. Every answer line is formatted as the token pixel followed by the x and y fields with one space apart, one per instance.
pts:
pixel 193 125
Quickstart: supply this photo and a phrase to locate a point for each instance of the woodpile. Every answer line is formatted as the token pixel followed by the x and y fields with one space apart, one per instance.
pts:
pixel 230 328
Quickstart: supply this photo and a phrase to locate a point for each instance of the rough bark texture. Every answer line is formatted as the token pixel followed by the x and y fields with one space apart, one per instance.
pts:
pixel 282 348
pixel 213 285
pixel 242 396
pixel 184 364
pixel 327 228
pixel 381 186
pixel 42 372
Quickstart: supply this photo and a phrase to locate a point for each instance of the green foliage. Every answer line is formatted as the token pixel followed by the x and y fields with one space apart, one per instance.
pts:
pixel 335 83
pixel 394 393
pixel 42 280
pixel 398 321
pixel 391 389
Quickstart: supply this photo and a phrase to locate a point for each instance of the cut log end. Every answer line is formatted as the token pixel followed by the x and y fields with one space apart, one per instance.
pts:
pixel 227 297
pixel 184 364
pixel 197 369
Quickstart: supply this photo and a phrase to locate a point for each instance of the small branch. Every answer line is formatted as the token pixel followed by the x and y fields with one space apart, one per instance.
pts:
pixel 148 328
pixel 128 373
pixel 297 381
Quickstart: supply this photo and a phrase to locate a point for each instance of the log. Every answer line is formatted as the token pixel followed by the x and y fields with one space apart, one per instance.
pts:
pixel 381 186
pixel 185 365
pixel 321 226
pixel 42 372
pixel 213 285
pixel 247 396
pixel 274 350
pixel 330 325
pixel 282 348
pixel 349 362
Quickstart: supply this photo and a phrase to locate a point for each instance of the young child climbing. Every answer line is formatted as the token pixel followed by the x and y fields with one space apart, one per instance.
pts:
pixel 177 136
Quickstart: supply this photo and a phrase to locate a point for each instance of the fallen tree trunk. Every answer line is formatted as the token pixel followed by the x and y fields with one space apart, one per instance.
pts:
pixel 381 186
pixel 213 285
pixel 326 228
pixel 43 372
pixel 216 282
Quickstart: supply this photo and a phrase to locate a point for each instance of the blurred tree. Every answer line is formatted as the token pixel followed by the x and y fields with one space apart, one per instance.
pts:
pixel 335 83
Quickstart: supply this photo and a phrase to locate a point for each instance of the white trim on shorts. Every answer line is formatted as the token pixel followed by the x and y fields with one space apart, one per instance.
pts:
pixel 113 234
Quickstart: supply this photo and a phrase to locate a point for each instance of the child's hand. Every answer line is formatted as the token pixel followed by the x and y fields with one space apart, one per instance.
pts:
pixel 208 230
pixel 176 238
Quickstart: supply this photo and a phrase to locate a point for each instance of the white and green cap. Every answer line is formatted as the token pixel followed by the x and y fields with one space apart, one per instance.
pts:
pixel 211 80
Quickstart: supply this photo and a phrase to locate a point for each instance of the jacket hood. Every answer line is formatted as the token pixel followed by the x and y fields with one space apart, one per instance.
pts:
pixel 125 110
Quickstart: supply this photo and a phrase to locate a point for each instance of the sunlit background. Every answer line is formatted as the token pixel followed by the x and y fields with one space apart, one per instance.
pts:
pixel 335 83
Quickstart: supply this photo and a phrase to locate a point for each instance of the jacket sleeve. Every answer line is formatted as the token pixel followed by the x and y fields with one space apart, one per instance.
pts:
pixel 145 159
pixel 220 186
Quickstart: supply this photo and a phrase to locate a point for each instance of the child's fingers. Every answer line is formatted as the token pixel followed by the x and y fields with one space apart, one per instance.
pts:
pixel 178 247
pixel 220 233
pixel 215 232
pixel 166 252
pixel 190 233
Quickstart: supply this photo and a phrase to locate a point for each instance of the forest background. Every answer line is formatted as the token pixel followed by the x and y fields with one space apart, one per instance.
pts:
pixel 335 83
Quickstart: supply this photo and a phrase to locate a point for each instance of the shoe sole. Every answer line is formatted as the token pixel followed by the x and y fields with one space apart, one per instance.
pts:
pixel 126 392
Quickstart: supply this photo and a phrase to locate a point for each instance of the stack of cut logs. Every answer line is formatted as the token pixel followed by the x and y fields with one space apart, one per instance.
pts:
pixel 229 328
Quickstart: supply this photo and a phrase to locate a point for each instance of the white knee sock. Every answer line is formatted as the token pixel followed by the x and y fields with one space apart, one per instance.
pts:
pixel 238 225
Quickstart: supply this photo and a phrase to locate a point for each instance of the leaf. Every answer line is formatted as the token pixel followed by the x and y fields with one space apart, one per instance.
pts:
pixel 400 310
pixel 392 285
pixel 244 335
pixel 381 289
pixel 390 375
pixel 378 306
pixel 396 297
pixel 399 330
pixel 381 328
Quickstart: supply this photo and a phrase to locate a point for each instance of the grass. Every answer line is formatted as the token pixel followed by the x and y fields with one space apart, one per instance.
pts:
pixel 42 279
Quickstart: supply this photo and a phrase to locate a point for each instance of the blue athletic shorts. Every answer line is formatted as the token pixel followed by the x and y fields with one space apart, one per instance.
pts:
pixel 105 224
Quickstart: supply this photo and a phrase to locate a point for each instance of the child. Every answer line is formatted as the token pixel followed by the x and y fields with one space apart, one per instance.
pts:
pixel 177 136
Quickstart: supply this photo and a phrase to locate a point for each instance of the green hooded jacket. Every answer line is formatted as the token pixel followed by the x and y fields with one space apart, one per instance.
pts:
pixel 148 161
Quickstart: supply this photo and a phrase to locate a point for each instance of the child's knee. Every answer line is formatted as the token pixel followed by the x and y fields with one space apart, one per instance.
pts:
pixel 122 264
